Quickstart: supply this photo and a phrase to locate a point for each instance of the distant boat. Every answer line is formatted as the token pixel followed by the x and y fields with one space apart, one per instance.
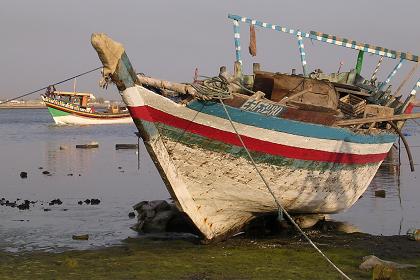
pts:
pixel 233 147
pixel 73 108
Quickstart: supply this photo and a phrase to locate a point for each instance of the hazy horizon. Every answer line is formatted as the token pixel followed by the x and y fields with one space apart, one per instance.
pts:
pixel 47 41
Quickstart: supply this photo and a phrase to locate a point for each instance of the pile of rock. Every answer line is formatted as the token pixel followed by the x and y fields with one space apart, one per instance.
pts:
pixel 25 205
pixel 160 216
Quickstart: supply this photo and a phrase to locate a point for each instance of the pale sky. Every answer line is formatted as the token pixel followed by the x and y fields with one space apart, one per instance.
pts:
pixel 45 41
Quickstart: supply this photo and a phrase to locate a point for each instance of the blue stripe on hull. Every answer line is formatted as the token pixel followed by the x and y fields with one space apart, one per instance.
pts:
pixel 289 126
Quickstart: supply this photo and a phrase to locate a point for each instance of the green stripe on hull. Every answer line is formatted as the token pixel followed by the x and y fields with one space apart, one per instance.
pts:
pixel 57 113
pixel 194 140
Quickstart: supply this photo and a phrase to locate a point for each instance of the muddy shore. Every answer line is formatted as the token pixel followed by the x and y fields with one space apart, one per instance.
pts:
pixel 162 257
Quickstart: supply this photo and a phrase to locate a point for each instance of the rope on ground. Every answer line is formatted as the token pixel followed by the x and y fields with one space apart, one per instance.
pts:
pixel 57 83
pixel 281 208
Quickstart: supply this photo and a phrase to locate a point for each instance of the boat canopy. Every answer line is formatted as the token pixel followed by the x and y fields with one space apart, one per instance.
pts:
pixel 326 38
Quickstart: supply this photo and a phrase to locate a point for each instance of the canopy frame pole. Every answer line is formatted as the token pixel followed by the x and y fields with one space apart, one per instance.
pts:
pixel 378 65
pixel 302 55
pixel 237 38
pixel 402 109
pixel 391 75
pixel 416 86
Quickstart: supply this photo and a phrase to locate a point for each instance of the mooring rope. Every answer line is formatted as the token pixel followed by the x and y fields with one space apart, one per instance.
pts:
pixel 281 208
pixel 57 83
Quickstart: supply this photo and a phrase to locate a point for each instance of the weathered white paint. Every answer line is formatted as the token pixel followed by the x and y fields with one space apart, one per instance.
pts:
pixel 228 190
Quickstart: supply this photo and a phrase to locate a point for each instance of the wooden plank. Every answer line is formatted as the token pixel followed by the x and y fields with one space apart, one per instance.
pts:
pixel 344 90
pixel 294 96
pixel 400 117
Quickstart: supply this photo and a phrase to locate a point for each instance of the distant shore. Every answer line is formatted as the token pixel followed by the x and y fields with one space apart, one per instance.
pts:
pixel 20 106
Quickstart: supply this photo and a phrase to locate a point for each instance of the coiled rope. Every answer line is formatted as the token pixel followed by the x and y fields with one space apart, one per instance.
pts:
pixel 212 88
pixel 57 83
pixel 280 207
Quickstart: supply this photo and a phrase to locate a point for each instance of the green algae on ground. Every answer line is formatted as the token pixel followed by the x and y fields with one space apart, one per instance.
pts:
pixel 177 259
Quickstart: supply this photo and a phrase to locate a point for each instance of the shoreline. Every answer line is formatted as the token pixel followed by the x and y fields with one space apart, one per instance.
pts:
pixel 24 107
pixel 284 256
pixel 37 106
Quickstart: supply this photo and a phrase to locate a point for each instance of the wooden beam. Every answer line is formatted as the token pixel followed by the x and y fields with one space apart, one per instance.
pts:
pixel 400 117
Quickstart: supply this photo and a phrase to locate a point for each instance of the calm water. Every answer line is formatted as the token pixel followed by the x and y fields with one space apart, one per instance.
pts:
pixel 28 141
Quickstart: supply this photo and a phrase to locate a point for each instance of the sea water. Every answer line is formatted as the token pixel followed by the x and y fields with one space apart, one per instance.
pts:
pixel 30 142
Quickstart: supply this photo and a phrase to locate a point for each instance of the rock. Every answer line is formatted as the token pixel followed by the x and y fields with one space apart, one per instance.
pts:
pixel 383 272
pixel 158 222
pixel 24 205
pixel 91 145
pixel 40 167
pixel 87 201
pixel 413 234
pixel 45 172
pixel 307 221
pixel 70 174
pixel 131 215
pixel 125 146
pixel 94 201
pixel 23 175
pixel 63 147
pixel 371 261
pixel 380 193
pixel 9 203
pixel 56 201
pixel 80 237
pixel 80 202
pixel 47 209
pixel 159 216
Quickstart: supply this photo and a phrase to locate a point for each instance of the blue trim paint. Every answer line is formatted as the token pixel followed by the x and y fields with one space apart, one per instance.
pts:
pixel 392 74
pixel 288 126
pixel 236 33
pixel 302 55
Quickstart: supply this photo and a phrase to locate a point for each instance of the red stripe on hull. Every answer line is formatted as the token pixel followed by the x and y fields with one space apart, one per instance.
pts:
pixel 150 114
pixel 409 108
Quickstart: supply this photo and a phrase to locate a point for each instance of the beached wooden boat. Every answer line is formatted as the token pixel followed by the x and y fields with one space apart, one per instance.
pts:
pixel 304 151
pixel 73 108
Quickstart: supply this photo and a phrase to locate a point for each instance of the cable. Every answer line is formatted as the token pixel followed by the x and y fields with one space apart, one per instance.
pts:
pixel 44 88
